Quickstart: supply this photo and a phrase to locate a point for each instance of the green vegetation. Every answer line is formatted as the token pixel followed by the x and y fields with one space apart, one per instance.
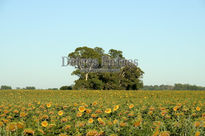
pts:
pixel 30 88
pixel 66 88
pixel 5 87
pixel 128 77
pixel 102 113
pixel 175 87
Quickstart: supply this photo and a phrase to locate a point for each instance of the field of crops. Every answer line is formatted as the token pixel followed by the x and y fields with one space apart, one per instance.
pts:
pixel 99 113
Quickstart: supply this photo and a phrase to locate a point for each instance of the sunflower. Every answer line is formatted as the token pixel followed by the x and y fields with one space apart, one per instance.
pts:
pixel 92 133
pixel 123 124
pixel 20 125
pixel 80 124
pixel 88 111
pixel 115 121
pixel 116 107
pixel 150 112
pixel 156 133
pixel 60 113
pixel 28 132
pixel 100 119
pixel 41 131
pixel 23 114
pixel 175 108
pixel 81 108
pixel 197 133
pixel 203 115
pixel 131 106
pixel 15 111
pixel 98 111
pixel 5 121
pixel 79 114
pixel 93 115
pixel 108 110
pixel 151 108
pixel 75 104
pixel 94 103
pixel 197 124
pixel 48 105
pixel 109 123
pixel 44 123
pixel 11 127
pixel 198 108
pixel 64 120
pixel 90 121
pixel 137 123
pixel 67 127
pixel 1 124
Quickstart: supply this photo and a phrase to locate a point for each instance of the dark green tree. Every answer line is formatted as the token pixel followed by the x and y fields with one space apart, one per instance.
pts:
pixel 127 78
pixel 30 88
pixel 5 87
pixel 66 88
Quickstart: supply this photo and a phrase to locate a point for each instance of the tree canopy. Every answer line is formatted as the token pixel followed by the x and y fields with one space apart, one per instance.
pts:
pixel 177 86
pixel 129 76
pixel 5 87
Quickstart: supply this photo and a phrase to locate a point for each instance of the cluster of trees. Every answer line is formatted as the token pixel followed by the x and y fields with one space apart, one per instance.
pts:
pixel 158 87
pixel 30 88
pixel 6 87
pixel 127 78
pixel 187 87
pixel 146 87
pixel 174 87
pixel 66 88
pixel 52 88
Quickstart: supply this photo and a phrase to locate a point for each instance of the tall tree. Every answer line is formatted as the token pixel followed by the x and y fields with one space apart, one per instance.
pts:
pixel 129 77
pixel 86 53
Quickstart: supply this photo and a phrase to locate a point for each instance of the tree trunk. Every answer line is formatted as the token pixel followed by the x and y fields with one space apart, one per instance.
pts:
pixel 86 76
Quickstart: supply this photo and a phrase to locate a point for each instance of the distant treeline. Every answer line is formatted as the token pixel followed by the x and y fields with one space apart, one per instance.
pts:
pixel 146 87
pixel 6 87
pixel 174 87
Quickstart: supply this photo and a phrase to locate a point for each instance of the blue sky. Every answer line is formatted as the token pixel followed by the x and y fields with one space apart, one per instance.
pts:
pixel 167 37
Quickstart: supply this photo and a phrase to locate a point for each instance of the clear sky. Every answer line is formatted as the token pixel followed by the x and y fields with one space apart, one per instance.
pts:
pixel 166 36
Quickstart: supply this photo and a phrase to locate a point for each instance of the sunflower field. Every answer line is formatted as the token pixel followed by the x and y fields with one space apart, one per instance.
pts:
pixel 102 113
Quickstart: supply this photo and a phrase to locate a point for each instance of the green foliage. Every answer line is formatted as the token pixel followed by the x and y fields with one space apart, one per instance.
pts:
pixel 158 87
pixel 175 87
pixel 30 88
pixel 128 77
pixel 187 87
pixel 66 88
pixel 115 53
pixel 52 88
pixel 5 87
pixel 131 113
